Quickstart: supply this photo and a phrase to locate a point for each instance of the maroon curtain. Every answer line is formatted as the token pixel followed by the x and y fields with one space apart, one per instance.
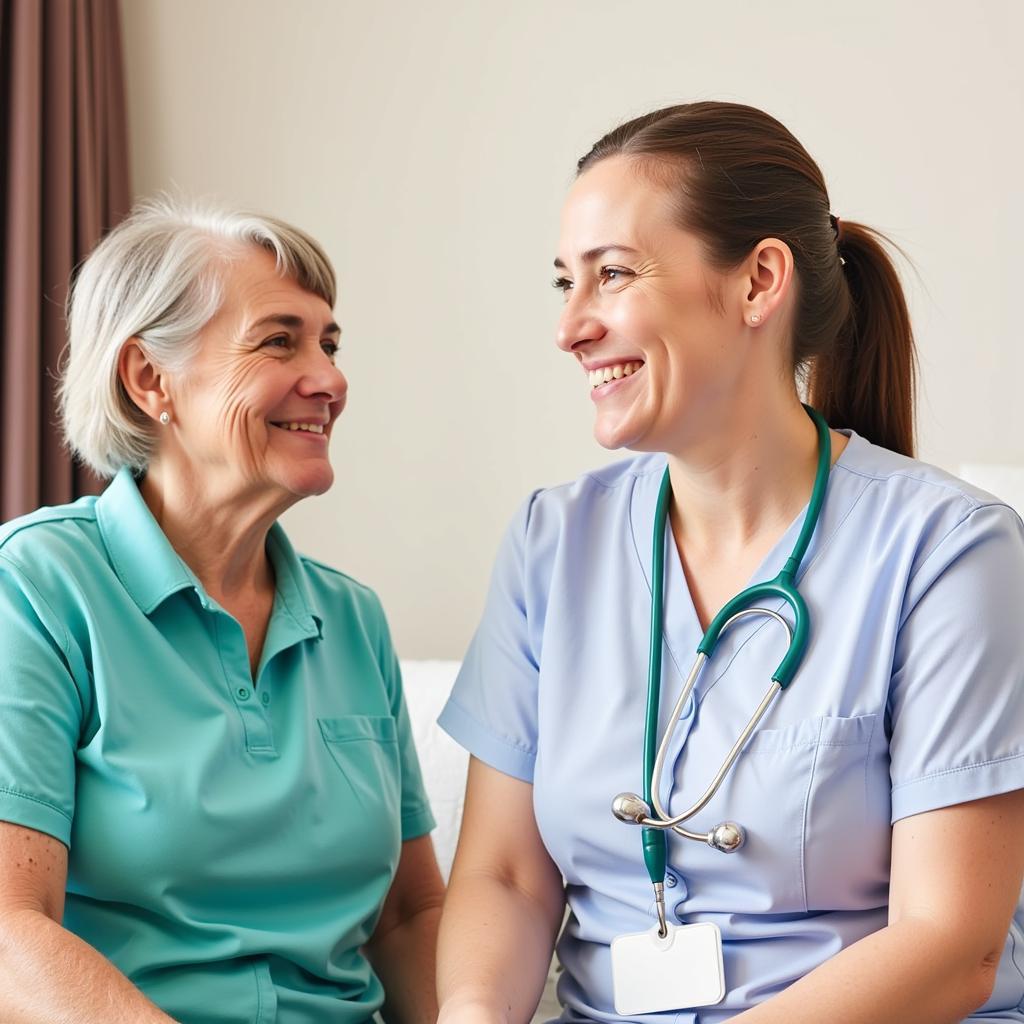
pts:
pixel 63 183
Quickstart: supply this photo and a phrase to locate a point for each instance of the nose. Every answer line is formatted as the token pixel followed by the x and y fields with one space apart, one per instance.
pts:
pixel 322 379
pixel 578 324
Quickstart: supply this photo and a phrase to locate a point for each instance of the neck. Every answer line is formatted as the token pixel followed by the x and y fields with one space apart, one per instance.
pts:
pixel 220 534
pixel 747 477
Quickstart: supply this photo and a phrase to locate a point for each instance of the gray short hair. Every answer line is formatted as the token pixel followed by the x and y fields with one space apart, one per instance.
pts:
pixel 156 277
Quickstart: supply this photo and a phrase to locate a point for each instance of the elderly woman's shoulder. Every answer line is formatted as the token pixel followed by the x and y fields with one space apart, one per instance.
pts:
pixel 55 535
pixel 332 579
pixel 46 560
pixel 333 592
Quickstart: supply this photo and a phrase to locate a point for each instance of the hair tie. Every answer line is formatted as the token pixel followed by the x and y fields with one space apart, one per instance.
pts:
pixel 836 224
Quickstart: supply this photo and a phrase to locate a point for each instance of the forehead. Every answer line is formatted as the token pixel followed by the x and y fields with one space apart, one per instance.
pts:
pixel 253 287
pixel 614 202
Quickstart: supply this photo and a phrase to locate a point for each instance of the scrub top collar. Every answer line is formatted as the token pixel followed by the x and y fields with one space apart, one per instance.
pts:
pixel 151 570
pixel 682 631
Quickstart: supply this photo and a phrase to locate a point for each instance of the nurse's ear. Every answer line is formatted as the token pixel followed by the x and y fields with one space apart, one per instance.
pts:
pixel 144 382
pixel 764 280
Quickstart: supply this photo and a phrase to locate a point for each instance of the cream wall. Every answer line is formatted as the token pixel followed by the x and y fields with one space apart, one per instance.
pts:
pixel 428 147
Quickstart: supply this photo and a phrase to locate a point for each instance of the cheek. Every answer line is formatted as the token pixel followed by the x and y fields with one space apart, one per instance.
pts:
pixel 243 396
pixel 634 329
pixel 654 315
pixel 693 335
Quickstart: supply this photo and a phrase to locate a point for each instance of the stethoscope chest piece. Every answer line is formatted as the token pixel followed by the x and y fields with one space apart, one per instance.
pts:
pixel 727 836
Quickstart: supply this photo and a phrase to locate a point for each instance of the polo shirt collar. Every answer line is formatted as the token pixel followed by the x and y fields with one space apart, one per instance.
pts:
pixel 293 590
pixel 151 570
pixel 140 553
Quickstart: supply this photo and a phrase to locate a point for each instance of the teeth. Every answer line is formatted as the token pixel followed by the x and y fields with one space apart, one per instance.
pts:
pixel 609 373
pixel 312 428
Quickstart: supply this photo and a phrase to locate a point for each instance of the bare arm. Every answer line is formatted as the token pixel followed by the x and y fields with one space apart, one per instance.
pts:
pixel 403 949
pixel 956 878
pixel 504 906
pixel 48 975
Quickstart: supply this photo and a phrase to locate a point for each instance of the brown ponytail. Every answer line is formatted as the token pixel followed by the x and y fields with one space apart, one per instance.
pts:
pixel 866 377
pixel 740 176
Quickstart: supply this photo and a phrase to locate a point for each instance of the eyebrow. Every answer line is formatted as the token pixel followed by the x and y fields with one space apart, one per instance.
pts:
pixel 595 254
pixel 292 321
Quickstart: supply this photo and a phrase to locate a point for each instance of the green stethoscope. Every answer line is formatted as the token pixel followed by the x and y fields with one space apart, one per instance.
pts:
pixel 629 807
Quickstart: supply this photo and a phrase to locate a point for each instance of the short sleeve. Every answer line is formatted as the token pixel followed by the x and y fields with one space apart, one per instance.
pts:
pixel 492 711
pixel 417 819
pixel 41 711
pixel 956 701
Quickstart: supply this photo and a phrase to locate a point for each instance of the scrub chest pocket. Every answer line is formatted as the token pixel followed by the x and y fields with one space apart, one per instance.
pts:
pixel 811 796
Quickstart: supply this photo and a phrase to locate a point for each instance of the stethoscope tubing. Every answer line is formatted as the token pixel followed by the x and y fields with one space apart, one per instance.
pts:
pixel 664 820
pixel 657 824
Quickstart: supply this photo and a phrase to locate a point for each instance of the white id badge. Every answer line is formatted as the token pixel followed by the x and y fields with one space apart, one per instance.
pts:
pixel 682 970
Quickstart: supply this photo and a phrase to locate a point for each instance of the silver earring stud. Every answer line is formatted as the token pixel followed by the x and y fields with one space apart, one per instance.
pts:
pixel 165 417
pixel 755 318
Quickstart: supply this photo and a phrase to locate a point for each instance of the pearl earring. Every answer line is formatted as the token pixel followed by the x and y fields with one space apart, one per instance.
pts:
pixel 165 417
pixel 755 318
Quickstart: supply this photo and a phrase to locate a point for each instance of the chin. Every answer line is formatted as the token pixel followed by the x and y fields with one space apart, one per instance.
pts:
pixel 310 483
pixel 614 436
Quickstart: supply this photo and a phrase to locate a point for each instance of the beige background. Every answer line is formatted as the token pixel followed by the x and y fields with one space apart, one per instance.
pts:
pixel 428 147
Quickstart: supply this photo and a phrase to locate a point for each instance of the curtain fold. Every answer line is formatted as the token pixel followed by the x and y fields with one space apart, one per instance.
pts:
pixel 64 181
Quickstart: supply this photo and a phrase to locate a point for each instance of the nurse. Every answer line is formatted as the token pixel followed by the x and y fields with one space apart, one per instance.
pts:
pixel 707 285
pixel 210 806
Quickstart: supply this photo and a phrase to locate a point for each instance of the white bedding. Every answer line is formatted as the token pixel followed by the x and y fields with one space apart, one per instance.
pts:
pixel 444 762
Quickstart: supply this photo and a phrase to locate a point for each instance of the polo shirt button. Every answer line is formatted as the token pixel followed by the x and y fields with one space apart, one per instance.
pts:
pixel 265 698
pixel 670 881
pixel 243 693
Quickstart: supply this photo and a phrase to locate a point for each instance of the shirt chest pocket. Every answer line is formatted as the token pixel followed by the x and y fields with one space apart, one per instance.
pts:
pixel 832 784
pixel 813 799
pixel 364 749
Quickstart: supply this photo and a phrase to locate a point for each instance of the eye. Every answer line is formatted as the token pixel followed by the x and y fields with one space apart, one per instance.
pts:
pixel 562 284
pixel 277 341
pixel 330 348
pixel 615 274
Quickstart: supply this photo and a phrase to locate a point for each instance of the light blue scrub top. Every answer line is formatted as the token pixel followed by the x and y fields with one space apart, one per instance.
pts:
pixel 911 697
pixel 230 846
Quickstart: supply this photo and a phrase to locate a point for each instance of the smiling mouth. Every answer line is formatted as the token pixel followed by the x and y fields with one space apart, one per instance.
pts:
pixel 309 428
pixel 607 374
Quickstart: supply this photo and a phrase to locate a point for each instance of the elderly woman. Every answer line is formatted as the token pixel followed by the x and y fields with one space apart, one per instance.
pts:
pixel 210 805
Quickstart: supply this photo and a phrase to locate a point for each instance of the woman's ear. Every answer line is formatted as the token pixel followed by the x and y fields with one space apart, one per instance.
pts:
pixel 767 277
pixel 142 380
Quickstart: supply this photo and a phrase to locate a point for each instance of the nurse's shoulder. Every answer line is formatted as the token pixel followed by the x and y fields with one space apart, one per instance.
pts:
pixel 593 501
pixel 557 527
pixel 918 502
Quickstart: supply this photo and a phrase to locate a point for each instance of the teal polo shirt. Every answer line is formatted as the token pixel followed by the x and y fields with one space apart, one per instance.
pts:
pixel 230 845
